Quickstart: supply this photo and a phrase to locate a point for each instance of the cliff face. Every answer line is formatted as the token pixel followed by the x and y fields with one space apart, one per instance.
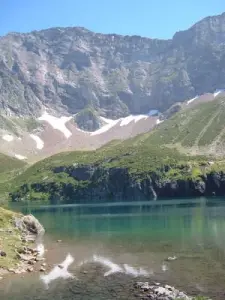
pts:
pixel 102 184
pixel 68 69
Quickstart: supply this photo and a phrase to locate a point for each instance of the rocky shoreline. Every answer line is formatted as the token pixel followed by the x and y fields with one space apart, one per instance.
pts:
pixel 27 251
pixel 29 258
pixel 156 291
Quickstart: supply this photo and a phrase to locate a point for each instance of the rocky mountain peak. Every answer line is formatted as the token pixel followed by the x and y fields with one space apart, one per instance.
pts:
pixel 65 70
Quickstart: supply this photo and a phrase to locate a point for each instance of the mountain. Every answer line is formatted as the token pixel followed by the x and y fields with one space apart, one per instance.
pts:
pixel 63 89
pixel 69 88
pixel 67 69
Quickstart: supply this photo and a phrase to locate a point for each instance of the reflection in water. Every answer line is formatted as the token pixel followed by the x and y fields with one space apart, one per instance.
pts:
pixel 60 271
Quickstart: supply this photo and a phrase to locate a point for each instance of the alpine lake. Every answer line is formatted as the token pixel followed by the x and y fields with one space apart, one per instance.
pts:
pixel 108 247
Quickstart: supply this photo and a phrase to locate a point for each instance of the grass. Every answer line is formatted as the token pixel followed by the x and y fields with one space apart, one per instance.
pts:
pixel 150 154
pixel 198 126
pixel 8 240
pixel 10 167
pixel 8 163
pixel 137 155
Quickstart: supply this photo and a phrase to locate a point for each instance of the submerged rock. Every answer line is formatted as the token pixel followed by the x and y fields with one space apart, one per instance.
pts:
pixel 158 292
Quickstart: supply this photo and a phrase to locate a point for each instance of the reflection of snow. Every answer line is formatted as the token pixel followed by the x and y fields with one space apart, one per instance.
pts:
pixel 57 123
pixel 40 249
pixel 164 268
pixel 59 272
pixel 135 272
pixel 115 268
pixel 39 142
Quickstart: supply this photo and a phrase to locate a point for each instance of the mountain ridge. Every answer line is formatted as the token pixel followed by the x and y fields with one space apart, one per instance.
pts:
pixel 67 69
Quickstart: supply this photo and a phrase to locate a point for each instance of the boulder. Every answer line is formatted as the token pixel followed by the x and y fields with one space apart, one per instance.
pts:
pixel 31 224
pixel 2 253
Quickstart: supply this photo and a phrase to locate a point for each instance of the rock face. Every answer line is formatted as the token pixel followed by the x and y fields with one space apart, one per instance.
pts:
pixel 67 69
pixel 88 120
pixel 117 184
pixel 32 225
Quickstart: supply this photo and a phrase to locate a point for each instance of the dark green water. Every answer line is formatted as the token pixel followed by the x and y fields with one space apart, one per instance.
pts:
pixel 140 235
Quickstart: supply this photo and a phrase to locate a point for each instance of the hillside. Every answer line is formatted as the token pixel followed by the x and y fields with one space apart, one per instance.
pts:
pixel 196 129
pixel 155 164
pixel 9 168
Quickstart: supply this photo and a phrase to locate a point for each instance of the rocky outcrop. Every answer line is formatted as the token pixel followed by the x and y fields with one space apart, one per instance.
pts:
pixel 20 244
pixel 88 120
pixel 94 183
pixel 68 69
pixel 29 224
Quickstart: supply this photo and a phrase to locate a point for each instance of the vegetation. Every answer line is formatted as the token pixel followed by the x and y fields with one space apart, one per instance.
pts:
pixel 9 239
pixel 15 125
pixel 88 119
pixel 153 154
pixel 9 168
pixel 200 126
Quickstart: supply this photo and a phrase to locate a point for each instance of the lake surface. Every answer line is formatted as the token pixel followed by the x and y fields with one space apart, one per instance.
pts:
pixel 117 244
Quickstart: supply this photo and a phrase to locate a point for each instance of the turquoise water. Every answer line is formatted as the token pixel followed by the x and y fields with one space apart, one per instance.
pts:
pixel 139 235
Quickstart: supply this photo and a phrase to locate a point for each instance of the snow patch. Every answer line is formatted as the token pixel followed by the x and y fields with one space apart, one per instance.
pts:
pixel 127 120
pixel 8 138
pixel 109 123
pixel 217 92
pixel 158 121
pixel 104 128
pixel 21 157
pixel 39 142
pixel 57 123
pixel 191 100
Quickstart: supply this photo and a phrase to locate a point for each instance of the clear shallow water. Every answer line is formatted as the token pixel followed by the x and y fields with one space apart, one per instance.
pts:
pixel 135 237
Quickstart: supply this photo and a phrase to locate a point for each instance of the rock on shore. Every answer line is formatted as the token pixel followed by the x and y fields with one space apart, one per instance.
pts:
pixel 19 239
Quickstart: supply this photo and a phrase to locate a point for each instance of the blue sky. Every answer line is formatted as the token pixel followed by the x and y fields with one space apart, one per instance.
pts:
pixel 151 18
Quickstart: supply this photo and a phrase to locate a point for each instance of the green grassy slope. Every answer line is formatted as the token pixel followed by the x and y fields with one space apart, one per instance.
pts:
pixel 201 128
pixel 157 152
pixel 9 168
pixel 8 163
pixel 9 241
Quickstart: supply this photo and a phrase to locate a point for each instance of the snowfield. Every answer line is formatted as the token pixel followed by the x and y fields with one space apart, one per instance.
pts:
pixel 39 142
pixel 57 123
pixel 8 138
